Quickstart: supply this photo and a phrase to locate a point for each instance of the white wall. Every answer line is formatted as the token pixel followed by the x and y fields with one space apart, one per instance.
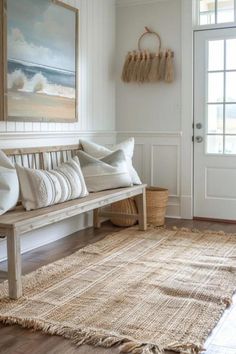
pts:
pixel 153 107
pixel 96 106
pixel 152 112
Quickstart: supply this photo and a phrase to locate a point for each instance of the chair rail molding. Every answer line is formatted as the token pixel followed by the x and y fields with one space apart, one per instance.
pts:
pixel 29 139
pixel 148 134
pixel 125 3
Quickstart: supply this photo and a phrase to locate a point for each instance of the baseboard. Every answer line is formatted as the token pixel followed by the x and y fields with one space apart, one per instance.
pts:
pixel 173 208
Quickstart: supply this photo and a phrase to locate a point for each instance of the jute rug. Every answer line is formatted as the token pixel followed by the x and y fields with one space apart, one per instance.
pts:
pixel 145 291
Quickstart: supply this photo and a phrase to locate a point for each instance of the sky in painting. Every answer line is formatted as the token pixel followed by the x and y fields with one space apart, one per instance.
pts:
pixel 41 32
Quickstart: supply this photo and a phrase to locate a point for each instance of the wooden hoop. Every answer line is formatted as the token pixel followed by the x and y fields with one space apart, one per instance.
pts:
pixel 148 31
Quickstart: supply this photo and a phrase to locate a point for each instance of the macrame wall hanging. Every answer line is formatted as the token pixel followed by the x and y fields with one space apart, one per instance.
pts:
pixel 142 66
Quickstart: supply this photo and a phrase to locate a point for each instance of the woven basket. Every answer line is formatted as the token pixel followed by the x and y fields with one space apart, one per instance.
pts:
pixel 127 206
pixel 157 199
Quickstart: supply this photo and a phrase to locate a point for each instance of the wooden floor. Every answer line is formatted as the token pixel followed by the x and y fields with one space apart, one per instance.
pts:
pixel 15 340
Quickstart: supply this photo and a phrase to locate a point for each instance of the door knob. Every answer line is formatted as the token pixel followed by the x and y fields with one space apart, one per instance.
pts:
pixel 199 139
pixel 199 125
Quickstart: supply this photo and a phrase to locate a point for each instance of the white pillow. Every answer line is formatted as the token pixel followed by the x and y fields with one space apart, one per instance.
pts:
pixel 107 173
pixel 41 188
pixel 100 151
pixel 9 184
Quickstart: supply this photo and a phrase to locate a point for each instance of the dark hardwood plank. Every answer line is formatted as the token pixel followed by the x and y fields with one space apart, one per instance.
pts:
pixel 16 340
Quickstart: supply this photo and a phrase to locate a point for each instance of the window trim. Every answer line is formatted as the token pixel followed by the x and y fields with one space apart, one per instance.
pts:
pixel 224 134
pixel 196 18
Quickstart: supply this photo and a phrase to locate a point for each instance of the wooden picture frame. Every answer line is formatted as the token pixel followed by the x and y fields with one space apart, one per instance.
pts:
pixel 50 101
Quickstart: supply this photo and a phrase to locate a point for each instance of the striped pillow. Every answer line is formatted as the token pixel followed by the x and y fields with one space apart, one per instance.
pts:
pixel 41 188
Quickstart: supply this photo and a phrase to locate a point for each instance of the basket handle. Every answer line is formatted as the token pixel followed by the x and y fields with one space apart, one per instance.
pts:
pixel 148 31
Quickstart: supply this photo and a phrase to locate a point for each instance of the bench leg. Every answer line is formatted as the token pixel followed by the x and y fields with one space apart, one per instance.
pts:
pixel 14 265
pixel 96 219
pixel 142 210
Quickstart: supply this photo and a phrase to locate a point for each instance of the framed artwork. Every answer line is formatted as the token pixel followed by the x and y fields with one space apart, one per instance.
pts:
pixel 40 60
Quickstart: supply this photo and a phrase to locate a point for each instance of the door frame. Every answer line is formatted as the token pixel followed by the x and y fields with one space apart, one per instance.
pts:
pixel 187 110
pixel 205 204
pixel 187 101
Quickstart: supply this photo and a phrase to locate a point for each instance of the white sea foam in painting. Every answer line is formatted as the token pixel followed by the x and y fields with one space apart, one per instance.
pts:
pixel 37 84
pixel 41 80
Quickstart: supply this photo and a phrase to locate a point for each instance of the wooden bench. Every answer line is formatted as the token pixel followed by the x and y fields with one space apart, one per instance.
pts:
pixel 18 221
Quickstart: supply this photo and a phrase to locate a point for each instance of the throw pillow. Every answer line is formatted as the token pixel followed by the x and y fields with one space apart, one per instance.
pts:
pixel 9 184
pixel 41 188
pixel 107 173
pixel 100 151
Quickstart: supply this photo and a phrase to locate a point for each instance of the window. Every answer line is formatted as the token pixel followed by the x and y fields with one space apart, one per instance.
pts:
pixel 213 12
pixel 221 97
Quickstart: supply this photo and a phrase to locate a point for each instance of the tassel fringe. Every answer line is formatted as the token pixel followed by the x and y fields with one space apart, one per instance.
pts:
pixel 136 67
pixel 143 67
pixel 130 67
pixel 125 68
pixel 169 72
pixel 162 66
pixel 153 73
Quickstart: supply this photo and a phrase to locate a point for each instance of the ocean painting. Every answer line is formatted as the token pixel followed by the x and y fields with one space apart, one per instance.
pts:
pixel 41 54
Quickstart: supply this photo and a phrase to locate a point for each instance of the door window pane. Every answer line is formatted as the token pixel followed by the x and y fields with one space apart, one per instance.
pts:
pixel 215 87
pixel 216 55
pixel 230 119
pixel 231 54
pixel 215 119
pixel 207 12
pixel 215 144
pixel 225 11
pixel 221 106
pixel 230 144
pixel 231 87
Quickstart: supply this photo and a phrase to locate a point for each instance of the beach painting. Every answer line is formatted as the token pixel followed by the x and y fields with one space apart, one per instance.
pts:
pixel 41 61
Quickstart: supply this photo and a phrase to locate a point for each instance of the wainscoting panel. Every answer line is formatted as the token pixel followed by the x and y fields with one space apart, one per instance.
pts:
pixel 139 160
pixel 165 158
pixel 157 160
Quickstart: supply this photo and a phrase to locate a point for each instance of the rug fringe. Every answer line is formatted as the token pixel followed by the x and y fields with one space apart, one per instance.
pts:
pixel 227 301
pixel 135 348
pixel 188 348
pixel 189 229
pixel 91 337
pixel 194 230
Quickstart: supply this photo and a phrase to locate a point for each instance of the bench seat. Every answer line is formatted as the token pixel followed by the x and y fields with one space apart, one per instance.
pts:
pixel 24 221
pixel 18 221
pixel 15 223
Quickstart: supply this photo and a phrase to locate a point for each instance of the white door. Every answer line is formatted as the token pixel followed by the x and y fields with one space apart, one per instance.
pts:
pixel 215 124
